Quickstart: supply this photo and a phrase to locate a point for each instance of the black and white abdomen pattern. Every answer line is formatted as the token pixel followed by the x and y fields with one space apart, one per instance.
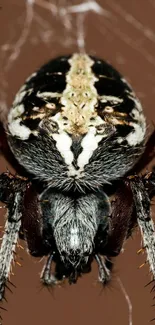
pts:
pixel 79 121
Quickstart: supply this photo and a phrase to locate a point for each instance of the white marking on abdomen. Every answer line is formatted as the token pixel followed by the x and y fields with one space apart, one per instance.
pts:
pixel 19 97
pixel 137 136
pixel 63 144
pixel 46 94
pixel 14 120
pixel 112 99
pixel 89 144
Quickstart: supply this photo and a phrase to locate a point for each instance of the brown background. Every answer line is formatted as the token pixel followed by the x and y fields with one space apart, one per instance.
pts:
pixel 125 36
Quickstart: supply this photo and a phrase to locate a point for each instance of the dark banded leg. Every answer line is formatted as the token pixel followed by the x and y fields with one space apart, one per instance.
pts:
pixel 23 214
pixel 131 206
pixel 9 241
pixel 11 193
pixel 143 189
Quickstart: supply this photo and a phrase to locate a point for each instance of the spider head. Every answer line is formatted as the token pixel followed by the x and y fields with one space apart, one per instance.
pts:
pixel 75 219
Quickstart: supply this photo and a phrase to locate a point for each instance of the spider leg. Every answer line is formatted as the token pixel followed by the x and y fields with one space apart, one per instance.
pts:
pixel 47 277
pixel 104 272
pixel 142 204
pixel 11 192
pixel 131 206
pixel 9 241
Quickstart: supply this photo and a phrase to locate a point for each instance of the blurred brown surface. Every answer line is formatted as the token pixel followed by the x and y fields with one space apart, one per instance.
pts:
pixel 124 34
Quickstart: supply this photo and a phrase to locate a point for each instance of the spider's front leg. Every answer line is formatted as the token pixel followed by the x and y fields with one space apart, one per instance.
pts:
pixel 143 189
pixel 24 216
pixel 131 206
pixel 11 193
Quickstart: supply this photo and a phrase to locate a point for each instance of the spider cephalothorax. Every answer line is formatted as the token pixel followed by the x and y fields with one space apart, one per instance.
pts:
pixel 77 129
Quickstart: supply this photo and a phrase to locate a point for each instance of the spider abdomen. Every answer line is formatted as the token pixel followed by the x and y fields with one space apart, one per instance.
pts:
pixel 76 121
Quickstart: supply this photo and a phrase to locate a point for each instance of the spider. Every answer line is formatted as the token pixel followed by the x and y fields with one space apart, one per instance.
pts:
pixel 76 132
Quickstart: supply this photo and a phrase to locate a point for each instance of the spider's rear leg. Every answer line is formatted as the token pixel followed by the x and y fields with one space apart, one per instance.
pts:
pixel 143 189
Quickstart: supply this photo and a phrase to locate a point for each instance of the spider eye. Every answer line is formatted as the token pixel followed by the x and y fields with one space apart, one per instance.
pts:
pixel 100 129
pixel 49 125
pixel 106 129
pixel 53 126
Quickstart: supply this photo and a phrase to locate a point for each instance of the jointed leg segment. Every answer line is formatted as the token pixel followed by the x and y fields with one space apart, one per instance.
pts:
pixel 131 206
pixel 46 276
pixel 142 204
pixel 24 213
pixel 9 241
pixel 104 272
pixel 11 192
